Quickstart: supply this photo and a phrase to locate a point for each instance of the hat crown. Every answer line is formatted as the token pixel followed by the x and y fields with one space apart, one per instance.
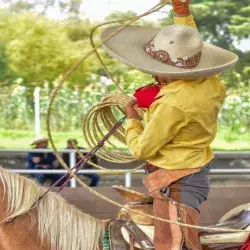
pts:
pixel 178 41
pixel 39 140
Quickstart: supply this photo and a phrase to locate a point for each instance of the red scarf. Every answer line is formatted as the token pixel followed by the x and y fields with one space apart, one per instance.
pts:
pixel 246 245
pixel 146 95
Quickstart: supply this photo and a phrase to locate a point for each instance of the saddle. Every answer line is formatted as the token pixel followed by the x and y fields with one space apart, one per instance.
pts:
pixel 237 218
pixel 143 229
pixel 138 202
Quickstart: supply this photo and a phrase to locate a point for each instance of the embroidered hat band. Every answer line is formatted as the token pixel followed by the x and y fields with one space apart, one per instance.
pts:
pixel 182 62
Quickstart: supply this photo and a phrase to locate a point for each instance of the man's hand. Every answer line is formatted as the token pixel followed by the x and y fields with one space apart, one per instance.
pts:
pixel 36 159
pixel 130 111
pixel 181 7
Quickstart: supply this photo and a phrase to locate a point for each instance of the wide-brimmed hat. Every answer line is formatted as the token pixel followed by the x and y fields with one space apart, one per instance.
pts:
pixel 39 140
pixel 177 51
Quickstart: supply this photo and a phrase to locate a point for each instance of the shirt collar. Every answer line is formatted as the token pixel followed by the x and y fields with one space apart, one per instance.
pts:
pixel 177 85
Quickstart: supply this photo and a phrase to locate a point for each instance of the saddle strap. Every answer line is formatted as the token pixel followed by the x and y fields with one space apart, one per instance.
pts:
pixel 163 178
pixel 132 242
pixel 139 236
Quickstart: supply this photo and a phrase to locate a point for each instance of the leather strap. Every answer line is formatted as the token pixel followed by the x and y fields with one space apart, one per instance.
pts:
pixel 171 236
pixel 116 239
pixel 167 236
pixel 132 242
pixel 138 235
pixel 163 178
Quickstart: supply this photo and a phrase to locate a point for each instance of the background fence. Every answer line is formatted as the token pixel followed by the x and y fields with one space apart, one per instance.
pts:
pixel 238 165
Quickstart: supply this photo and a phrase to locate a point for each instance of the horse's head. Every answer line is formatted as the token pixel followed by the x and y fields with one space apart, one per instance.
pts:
pixel 138 202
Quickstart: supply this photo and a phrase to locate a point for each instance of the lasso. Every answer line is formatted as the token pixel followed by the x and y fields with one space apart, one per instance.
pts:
pixel 103 112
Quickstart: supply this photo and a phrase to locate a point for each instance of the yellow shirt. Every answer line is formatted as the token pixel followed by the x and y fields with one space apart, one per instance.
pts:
pixel 178 128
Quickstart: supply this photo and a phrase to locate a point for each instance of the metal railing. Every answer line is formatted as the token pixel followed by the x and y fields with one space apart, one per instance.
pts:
pixel 128 175
pixel 220 154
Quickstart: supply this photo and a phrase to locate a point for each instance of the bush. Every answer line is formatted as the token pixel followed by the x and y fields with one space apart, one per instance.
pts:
pixel 235 112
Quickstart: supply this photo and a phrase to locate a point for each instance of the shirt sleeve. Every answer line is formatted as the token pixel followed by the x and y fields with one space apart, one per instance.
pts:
pixel 30 156
pixel 164 124
pixel 188 20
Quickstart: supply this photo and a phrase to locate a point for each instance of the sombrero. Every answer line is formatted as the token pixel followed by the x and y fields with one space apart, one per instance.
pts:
pixel 39 140
pixel 177 51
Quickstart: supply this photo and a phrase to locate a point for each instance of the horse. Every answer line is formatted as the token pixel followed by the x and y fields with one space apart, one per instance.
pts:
pixel 30 223
pixel 46 224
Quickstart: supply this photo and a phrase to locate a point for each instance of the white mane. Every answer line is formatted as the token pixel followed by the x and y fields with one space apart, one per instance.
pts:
pixel 61 224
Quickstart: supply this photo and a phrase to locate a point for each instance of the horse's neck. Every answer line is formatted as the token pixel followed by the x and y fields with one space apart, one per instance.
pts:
pixel 19 234
pixel 3 204
pixel 30 224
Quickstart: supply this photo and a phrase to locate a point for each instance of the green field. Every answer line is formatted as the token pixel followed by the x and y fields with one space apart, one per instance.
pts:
pixel 21 139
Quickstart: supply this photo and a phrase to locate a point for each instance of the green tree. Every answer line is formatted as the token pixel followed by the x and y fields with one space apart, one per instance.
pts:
pixel 37 49
pixel 71 8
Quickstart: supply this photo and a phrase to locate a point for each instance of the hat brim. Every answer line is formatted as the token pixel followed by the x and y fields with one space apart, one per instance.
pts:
pixel 128 47
pixel 39 141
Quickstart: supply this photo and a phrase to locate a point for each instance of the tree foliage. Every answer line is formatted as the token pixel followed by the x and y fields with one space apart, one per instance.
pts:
pixel 37 49
pixel 71 8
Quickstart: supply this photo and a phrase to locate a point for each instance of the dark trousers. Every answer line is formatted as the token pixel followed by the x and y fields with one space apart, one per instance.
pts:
pixel 41 178
pixel 94 179
pixel 191 190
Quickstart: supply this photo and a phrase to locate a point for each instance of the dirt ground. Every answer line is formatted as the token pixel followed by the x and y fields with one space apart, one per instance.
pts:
pixel 220 201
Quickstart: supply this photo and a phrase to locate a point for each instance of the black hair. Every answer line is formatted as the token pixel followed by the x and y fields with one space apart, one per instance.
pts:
pixel 72 140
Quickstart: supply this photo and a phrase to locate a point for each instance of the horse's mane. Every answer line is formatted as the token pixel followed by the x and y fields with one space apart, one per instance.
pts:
pixel 61 224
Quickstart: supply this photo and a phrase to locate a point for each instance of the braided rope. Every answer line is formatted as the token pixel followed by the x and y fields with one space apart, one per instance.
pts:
pixel 107 119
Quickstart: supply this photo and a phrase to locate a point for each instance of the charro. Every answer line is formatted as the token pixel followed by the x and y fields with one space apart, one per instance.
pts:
pixel 179 121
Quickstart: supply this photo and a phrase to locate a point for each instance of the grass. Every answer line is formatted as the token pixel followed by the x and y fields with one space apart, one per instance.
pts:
pixel 228 140
pixel 21 139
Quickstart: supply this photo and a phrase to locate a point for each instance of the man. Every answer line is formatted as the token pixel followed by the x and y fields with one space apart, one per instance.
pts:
pixel 72 144
pixel 41 160
pixel 180 117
